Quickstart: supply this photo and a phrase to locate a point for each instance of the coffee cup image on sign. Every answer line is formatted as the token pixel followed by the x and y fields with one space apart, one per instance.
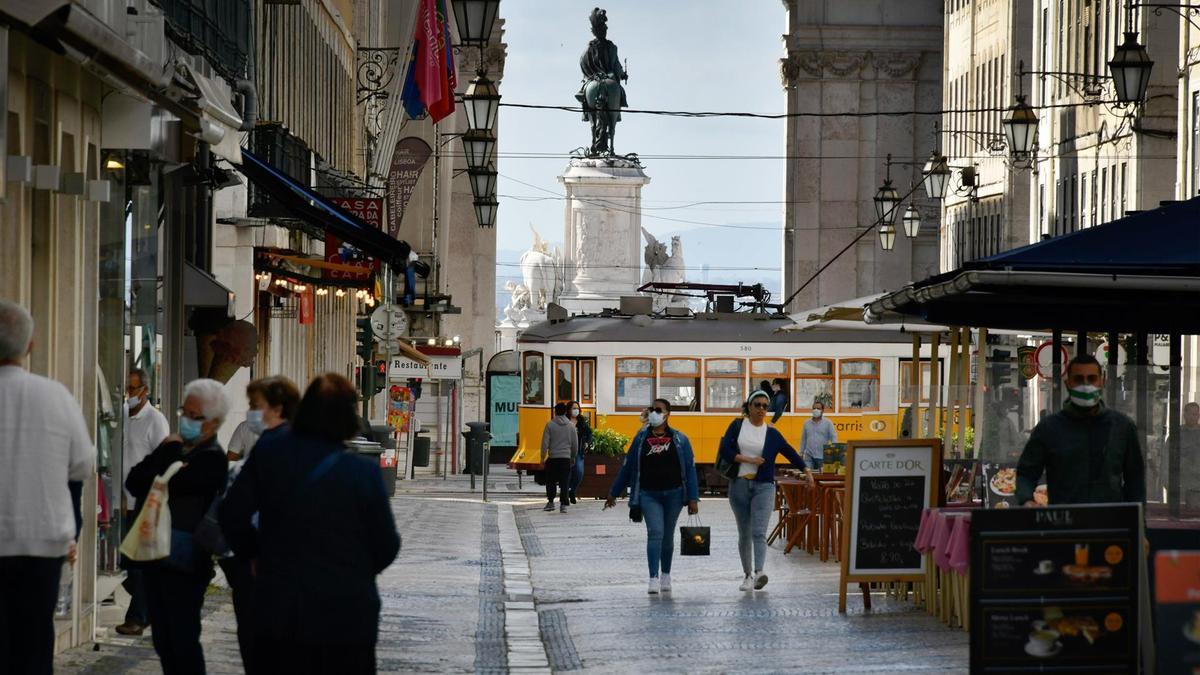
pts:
pixel 1044 567
pixel 1043 643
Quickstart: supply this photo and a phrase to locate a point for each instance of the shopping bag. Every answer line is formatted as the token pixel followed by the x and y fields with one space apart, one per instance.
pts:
pixel 150 536
pixel 693 539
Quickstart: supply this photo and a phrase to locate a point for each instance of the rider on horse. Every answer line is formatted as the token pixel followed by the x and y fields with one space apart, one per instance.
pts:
pixel 602 95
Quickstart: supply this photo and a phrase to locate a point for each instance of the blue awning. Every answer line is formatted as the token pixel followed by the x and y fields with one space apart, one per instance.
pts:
pixel 315 209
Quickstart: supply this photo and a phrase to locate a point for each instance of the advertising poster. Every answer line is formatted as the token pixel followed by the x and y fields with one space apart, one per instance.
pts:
pixel 505 395
pixel 400 404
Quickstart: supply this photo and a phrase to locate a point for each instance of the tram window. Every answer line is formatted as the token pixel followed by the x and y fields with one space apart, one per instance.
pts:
pixel 532 384
pixel 907 384
pixel 587 380
pixel 679 383
pixel 814 378
pixel 767 371
pixel 635 384
pixel 726 386
pixel 859 384
pixel 564 381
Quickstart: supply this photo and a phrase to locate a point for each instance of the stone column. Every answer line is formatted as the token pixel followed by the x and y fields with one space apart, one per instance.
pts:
pixel 602 232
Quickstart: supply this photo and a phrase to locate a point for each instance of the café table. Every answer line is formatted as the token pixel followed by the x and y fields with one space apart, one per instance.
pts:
pixel 944 539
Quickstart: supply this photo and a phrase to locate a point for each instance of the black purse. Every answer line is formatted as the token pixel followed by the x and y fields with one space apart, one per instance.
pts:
pixel 635 513
pixel 694 539
pixel 726 467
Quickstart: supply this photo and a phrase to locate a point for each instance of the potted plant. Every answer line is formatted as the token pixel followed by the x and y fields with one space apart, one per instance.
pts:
pixel 602 462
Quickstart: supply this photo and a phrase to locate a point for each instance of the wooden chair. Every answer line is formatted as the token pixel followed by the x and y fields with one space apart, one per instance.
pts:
pixel 800 515
pixel 780 508
pixel 836 498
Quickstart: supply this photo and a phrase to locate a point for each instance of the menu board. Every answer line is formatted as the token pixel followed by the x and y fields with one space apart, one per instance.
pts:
pixel 1056 589
pixel 1000 487
pixel 888 485
pixel 1177 611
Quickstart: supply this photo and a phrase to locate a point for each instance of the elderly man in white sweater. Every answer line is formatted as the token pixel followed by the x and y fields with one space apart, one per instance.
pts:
pixel 44 445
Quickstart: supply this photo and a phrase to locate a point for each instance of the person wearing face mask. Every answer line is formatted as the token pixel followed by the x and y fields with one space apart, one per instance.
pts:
pixel 754 445
pixel 145 428
pixel 660 472
pixel 175 586
pixel 1090 453
pixel 818 432
pixel 560 447
pixel 585 440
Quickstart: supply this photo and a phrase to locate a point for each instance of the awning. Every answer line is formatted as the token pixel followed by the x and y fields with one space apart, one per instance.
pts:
pixel 200 289
pixel 315 209
pixel 218 120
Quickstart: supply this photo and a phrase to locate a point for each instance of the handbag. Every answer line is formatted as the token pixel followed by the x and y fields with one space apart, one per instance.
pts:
pixel 150 537
pixel 726 467
pixel 694 539
pixel 635 513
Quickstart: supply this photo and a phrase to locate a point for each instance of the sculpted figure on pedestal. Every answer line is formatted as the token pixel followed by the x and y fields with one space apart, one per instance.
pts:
pixel 602 95
pixel 542 273
pixel 664 268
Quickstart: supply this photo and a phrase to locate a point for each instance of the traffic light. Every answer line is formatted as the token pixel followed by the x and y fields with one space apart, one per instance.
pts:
pixel 364 339
pixel 414 385
pixel 381 376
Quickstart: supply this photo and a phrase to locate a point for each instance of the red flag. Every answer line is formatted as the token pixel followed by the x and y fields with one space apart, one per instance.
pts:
pixel 435 75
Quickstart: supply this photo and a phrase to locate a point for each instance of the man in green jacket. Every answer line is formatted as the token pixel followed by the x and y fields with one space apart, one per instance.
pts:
pixel 1090 454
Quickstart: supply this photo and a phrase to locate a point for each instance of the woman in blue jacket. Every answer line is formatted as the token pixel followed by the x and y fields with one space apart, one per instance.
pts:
pixel 660 471
pixel 753 445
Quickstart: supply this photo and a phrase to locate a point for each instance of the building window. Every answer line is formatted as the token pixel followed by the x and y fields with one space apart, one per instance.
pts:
pixel 1093 198
pixel 814 378
pixel 533 378
pixel 1043 227
pixel 1083 200
pixel 1195 140
pixel 679 383
pixel 1103 195
pixel 858 380
pixel 635 383
pixel 587 382
pixel 1124 165
pixel 725 386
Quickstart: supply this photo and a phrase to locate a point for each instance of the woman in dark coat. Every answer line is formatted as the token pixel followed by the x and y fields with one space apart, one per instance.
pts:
pixel 585 441
pixel 325 530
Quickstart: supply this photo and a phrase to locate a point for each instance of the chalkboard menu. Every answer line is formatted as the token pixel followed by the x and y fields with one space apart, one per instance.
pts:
pixel 1057 589
pixel 888 485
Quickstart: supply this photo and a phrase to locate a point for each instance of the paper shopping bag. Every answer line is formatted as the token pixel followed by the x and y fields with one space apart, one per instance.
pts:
pixel 150 536
pixel 693 539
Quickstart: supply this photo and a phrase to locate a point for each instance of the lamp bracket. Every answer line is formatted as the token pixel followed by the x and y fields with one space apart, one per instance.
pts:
pixel 376 68
pixel 992 142
pixel 1185 11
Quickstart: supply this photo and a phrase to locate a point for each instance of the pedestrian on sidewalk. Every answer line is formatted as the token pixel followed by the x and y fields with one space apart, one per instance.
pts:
pixel 585 442
pixel 325 530
pixel 660 471
pixel 145 428
pixel 273 403
pixel 560 447
pixel 175 586
pixel 818 432
pixel 753 445
pixel 44 445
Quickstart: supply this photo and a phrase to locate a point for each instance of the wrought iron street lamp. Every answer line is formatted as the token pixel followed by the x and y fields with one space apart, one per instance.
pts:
pixel 475 19
pixel 479 148
pixel 1130 68
pixel 1020 129
pixel 937 175
pixel 912 222
pixel 887 236
pixel 481 100
pixel 485 212
pixel 483 183
pixel 887 199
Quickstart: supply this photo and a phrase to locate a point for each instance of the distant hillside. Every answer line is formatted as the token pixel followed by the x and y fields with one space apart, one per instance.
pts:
pixel 721 249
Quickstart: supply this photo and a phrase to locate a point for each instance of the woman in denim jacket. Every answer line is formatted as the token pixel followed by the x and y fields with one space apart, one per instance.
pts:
pixel 660 471
pixel 753 445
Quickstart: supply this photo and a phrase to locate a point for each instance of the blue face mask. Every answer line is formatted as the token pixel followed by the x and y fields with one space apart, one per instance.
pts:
pixel 189 429
pixel 254 420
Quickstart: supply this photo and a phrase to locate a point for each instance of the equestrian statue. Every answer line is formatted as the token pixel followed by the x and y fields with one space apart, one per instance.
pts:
pixel 602 95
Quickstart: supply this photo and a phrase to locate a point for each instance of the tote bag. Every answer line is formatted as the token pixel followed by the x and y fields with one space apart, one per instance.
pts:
pixel 694 539
pixel 150 536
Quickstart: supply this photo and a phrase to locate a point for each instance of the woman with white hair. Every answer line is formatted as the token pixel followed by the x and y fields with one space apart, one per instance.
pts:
pixel 175 586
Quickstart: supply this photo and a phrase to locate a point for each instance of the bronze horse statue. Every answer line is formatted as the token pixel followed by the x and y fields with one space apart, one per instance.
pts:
pixel 602 95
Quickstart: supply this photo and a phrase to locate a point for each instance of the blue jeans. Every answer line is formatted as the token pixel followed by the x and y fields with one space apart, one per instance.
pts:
pixel 814 463
pixel 577 474
pixel 660 511
pixel 752 503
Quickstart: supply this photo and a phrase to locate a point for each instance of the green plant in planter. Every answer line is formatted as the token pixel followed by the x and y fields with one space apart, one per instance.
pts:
pixel 609 443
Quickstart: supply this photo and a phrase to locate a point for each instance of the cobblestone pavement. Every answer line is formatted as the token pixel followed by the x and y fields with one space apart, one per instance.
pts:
pixel 589 578
pixel 445 600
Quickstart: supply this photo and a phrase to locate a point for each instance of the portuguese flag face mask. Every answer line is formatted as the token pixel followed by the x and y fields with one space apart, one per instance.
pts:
pixel 1085 395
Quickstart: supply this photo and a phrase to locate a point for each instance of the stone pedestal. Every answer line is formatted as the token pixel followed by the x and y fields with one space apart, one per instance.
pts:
pixel 603 232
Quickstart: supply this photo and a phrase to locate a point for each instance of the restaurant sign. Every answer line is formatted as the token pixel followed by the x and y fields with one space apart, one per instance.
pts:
pixel 888 485
pixel 370 211
pixel 1057 589
pixel 439 368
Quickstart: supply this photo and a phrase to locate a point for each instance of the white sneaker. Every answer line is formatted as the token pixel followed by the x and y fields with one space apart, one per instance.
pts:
pixel 664 582
pixel 747 584
pixel 653 588
pixel 760 580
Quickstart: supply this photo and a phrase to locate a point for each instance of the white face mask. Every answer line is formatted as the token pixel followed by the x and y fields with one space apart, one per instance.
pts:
pixel 655 419
pixel 1085 395
pixel 817 412
pixel 574 412
pixel 254 419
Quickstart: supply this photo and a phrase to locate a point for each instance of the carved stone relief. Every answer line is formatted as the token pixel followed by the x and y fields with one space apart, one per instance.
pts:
pixel 847 65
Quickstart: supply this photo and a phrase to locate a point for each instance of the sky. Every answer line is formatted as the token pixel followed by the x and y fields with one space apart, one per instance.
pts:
pixel 695 55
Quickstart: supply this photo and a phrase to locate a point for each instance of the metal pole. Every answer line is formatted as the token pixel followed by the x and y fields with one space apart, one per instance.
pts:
pixel 1110 377
pixel 952 390
pixel 915 380
pixel 1056 384
pixel 1174 408
pixel 487 448
pixel 935 385
pixel 1081 343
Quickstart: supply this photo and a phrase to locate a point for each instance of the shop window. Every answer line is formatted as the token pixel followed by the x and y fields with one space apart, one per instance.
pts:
pixel 679 383
pixel 814 379
pixel 725 389
pixel 859 384
pixel 587 382
pixel 635 383
pixel 907 385
pixel 533 378
pixel 564 381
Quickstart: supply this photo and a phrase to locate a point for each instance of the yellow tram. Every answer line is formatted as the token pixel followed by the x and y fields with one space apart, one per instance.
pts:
pixel 706 365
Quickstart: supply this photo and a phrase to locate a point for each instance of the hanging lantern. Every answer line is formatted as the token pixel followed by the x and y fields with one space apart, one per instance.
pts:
pixel 475 19
pixel 937 175
pixel 485 213
pixel 482 101
pixel 1130 69
pixel 483 184
pixel 1020 129
pixel 479 148
pixel 912 222
pixel 887 236
pixel 886 201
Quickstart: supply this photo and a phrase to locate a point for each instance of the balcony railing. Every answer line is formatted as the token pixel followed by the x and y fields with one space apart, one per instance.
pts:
pixel 218 30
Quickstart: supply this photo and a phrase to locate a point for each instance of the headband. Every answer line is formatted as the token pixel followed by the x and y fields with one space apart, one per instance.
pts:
pixel 756 394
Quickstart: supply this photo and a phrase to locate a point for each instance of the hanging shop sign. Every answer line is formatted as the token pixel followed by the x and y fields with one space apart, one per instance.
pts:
pixel 439 368
pixel 1044 358
pixel 370 211
pixel 408 159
